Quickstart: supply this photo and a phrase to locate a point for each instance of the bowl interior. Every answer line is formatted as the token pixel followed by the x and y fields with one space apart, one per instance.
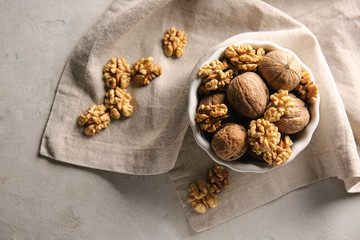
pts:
pixel 247 164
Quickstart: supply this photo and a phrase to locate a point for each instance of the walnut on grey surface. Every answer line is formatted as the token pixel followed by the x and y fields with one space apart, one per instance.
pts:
pixel 280 70
pixel 202 196
pixel 144 71
pixel 117 72
pixel 281 154
pixel 263 136
pixel 248 95
pixel 296 120
pixel 244 57
pixel 218 178
pixel 215 75
pixel 174 42
pixel 307 89
pixel 230 142
pixel 281 104
pixel 117 101
pixel 94 119
pixel 209 116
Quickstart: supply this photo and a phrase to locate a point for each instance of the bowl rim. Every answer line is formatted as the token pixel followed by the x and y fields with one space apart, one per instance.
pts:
pixel 303 137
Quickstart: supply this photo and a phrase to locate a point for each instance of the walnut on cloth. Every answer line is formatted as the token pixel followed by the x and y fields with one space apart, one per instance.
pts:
pixel 281 104
pixel 218 178
pixel 117 72
pixel 174 42
pixel 117 101
pixel 144 71
pixel 216 75
pixel 209 116
pixel 281 154
pixel 202 196
pixel 94 119
pixel 307 89
pixel 244 57
pixel 263 136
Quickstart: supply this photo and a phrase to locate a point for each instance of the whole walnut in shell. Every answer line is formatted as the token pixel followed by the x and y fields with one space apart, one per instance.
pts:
pixel 297 120
pixel 214 98
pixel 280 70
pixel 248 95
pixel 230 142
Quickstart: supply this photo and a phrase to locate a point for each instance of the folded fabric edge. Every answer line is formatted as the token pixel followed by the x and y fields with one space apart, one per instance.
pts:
pixel 199 228
pixel 352 184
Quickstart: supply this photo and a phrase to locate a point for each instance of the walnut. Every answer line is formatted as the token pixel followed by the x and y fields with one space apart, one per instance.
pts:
pixel 118 102
pixel 174 42
pixel 218 178
pixel 230 142
pixel 94 119
pixel 296 120
pixel 248 95
pixel 202 196
pixel 216 75
pixel 117 72
pixel 244 57
pixel 281 104
pixel 281 154
pixel 263 136
pixel 280 70
pixel 209 116
pixel 307 88
pixel 144 71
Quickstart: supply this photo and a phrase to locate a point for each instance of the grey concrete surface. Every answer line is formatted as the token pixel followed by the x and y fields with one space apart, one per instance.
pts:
pixel 43 199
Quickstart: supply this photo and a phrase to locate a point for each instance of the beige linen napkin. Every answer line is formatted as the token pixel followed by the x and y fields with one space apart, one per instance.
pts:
pixel 152 140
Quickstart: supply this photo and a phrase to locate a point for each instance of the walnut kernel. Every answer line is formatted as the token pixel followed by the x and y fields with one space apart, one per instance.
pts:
pixel 202 196
pixel 174 42
pixel 218 178
pixel 244 57
pixel 281 104
pixel 94 119
pixel 263 136
pixel 117 72
pixel 118 102
pixel 281 154
pixel 307 89
pixel 209 116
pixel 144 71
pixel 216 75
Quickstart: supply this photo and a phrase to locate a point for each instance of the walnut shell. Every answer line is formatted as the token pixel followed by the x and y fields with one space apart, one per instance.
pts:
pixel 214 98
pixel 297 120
pixel 230 142
pixel 280 70
pixel 248 95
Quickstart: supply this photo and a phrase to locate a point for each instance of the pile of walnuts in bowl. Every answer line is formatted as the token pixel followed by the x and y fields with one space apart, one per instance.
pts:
pixel 252 102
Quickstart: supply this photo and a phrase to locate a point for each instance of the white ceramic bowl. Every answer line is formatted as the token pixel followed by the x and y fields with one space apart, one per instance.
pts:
pixel 300 140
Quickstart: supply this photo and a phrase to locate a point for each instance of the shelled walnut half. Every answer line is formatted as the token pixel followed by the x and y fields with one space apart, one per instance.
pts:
pixel 215 75
pixel 263 136
pixel 281 104
pixel 244 57
pixel 94 119
pixel 281 154
pixel 174 42
pixel 117 72
pixel 307 89
pixel 202 196
pixel 209 116
pixel 144 71
pixel 218 178
pixel 118 102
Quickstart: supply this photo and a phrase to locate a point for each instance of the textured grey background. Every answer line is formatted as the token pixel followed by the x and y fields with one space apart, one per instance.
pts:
pixel 41 199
